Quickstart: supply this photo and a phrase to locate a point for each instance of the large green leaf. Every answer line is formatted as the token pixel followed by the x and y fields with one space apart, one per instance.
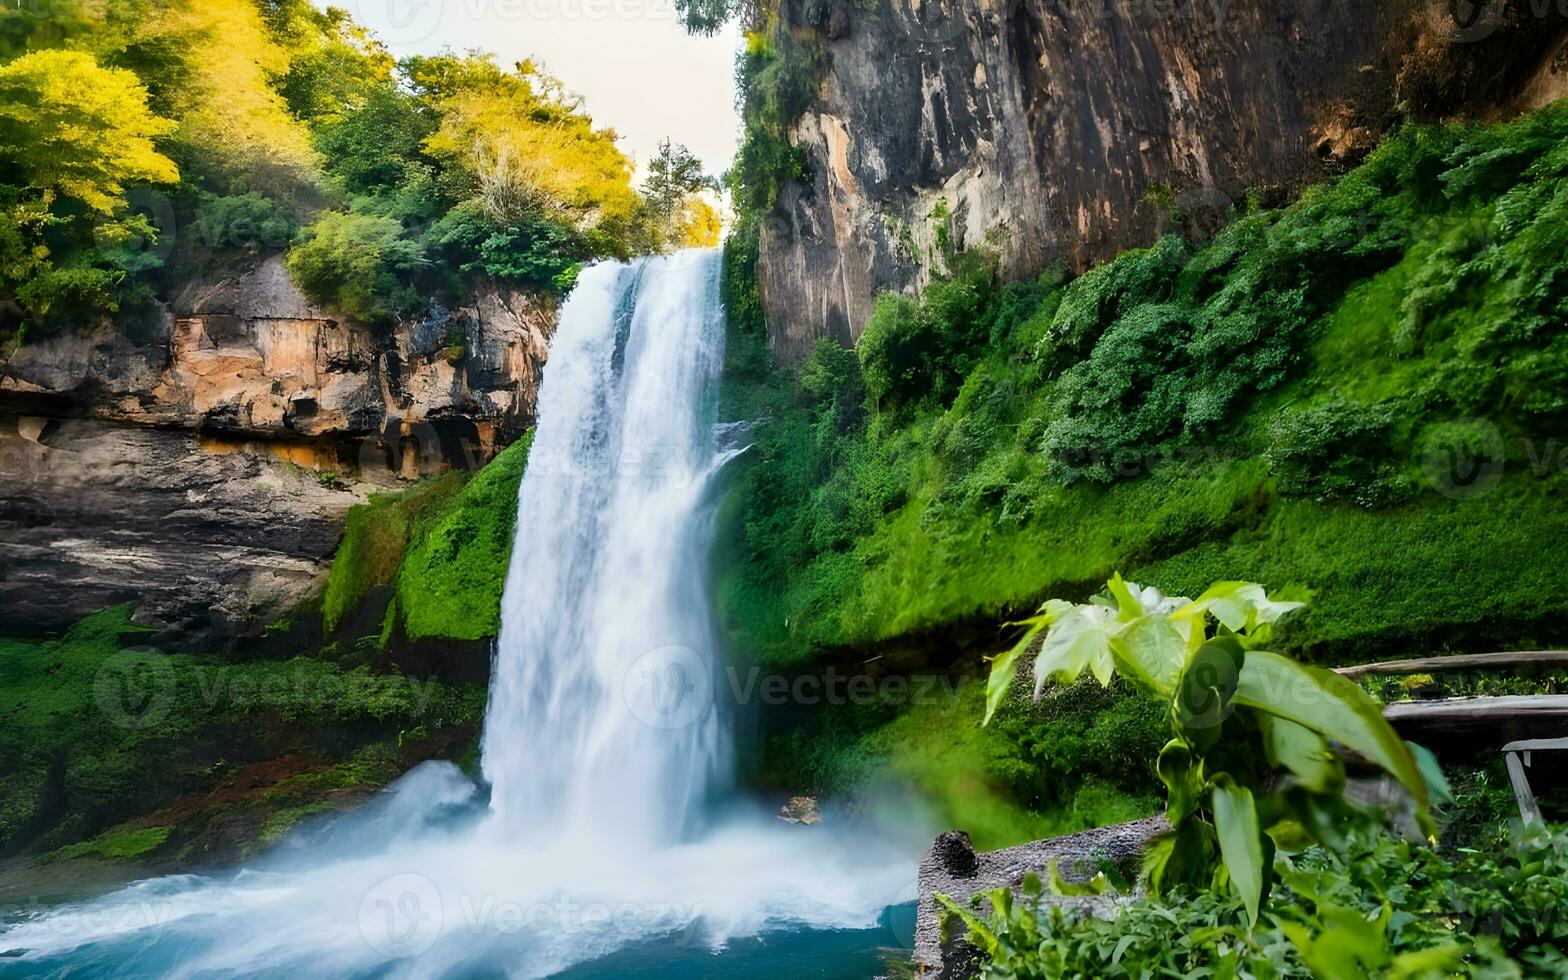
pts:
pixel 1335 708
pixel 1304 752
pixel 1241 842
pixel 1149 651
pixel 1205 691
pixel 1239 605
pixel 1005 667
pixel 1079 637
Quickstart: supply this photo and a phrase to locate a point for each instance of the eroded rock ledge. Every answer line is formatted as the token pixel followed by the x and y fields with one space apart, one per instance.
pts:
pixel 199 463
pixel 1069 130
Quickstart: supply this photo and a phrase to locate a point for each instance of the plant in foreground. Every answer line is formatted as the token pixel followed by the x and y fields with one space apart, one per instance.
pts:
pixel 1388 908
pixel 1252 766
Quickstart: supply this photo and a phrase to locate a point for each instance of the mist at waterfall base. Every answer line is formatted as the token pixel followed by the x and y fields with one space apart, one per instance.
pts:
pixel 609 842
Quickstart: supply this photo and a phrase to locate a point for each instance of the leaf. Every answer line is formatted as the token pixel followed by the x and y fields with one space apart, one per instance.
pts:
pixel 1302 751
pixel 1439 961
pixel 1205 691
pixel 1005 667
pixel 979 931
pixel 1149 651
pixel 1437 787
pixel 1239 605
pixel 1336 708
pixel 1241 842
pixel 1079 637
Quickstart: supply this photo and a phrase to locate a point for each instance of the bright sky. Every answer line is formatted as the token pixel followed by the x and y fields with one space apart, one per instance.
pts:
pixel 636 68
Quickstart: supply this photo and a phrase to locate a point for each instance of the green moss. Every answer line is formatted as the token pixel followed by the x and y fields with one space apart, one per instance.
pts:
pixel 375 539
pixel 283 821
pixel 96 732
pixel 119 844
pixel 443 545
pixel 455 568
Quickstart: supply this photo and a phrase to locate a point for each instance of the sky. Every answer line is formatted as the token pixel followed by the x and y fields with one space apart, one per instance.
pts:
pixel 636 68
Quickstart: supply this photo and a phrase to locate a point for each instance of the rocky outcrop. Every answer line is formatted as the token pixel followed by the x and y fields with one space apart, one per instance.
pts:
pixel 209 545
pixel 1068 130
pixel 251 363
pixel 200 463
pixel 952 868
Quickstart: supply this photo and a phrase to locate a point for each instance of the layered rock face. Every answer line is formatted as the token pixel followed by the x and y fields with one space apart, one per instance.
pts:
pixel 1069 130
pixel 201 464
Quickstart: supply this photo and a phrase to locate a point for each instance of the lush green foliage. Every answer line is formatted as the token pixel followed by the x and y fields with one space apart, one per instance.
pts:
pixel 1249 767
pixel 198 135
pixel 360 264
pixel 1387 908
pixel 451 579
pixel 98 729
pixel 777 76
pixel 1086 436
pixel 438 551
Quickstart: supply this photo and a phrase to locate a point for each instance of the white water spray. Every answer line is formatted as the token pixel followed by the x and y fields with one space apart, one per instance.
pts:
pixel 604 740
pixel 602 721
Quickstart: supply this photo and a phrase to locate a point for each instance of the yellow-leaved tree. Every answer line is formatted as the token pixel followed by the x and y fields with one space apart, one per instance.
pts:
pixel 529 149
pixel 231 118
pixel 71 127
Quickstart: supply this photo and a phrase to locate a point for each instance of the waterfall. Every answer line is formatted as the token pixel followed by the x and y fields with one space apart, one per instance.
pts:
pixel 604 747
pixel 602 720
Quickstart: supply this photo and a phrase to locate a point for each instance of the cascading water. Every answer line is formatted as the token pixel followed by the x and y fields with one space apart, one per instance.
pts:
pixel 604 742
pixel 601 720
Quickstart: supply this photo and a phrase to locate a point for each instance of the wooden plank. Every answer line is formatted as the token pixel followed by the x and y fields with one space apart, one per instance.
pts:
pixel 1529 811
pixel 1508 708
pixel 1463 661
pixel 1538 745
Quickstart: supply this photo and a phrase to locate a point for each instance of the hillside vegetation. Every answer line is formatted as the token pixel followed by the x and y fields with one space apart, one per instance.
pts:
pixel 1361 398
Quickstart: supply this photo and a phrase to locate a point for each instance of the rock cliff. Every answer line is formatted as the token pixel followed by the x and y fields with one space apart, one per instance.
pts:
pixel 1068 130
pixel 201 463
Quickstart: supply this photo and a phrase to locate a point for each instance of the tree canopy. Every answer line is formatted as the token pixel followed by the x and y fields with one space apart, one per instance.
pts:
pixel 145 142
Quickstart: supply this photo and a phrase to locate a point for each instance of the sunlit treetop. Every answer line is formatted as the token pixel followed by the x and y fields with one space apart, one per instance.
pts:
pixel 75 128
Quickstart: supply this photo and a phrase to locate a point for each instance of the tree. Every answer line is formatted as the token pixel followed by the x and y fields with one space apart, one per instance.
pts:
pixel 360 263
pixel 675 178
pixel 527 148
pixel 70 127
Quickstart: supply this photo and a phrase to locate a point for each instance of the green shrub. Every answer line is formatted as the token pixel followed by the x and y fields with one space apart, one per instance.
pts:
pixel 360 264
pixel 244 223
pixel 1338 450
pixel 1390 908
